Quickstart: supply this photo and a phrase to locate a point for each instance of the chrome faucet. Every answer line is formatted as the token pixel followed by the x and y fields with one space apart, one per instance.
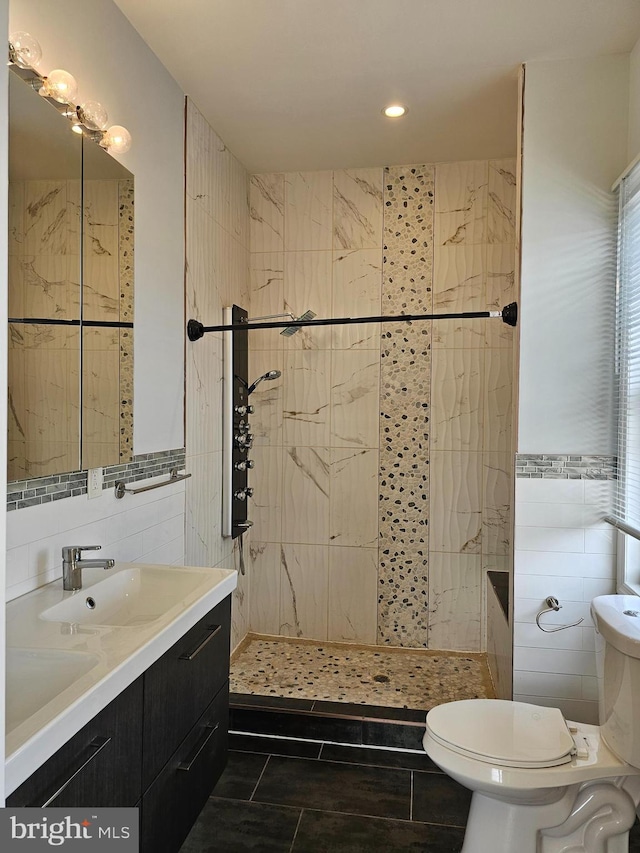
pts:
pixel 72 565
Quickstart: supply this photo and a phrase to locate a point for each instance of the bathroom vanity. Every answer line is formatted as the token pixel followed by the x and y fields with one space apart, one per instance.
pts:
pixel 144 720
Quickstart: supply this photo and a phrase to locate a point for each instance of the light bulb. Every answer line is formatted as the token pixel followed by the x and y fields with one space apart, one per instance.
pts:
pixel 395 111
pixel 61 86
pixel 24 50
pixel 93 115
pixel 116 139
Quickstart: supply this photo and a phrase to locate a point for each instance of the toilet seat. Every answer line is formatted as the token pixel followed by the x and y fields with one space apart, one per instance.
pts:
pixel 503 733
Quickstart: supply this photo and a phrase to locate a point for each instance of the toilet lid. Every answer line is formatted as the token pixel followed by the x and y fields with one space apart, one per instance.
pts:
pixel 511 734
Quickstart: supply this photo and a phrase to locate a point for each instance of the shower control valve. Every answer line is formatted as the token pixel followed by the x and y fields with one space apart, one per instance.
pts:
pixel 243 426
pixel 244 464
pixel 244 410
pixel 243 494
pixel 243 439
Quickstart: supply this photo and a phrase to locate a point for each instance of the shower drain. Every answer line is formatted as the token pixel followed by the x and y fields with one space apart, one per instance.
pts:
pixel 381 679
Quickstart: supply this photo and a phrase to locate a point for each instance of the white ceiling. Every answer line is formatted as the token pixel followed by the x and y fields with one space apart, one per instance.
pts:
pixel 299 84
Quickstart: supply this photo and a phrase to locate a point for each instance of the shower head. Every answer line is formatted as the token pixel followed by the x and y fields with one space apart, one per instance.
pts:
pixel 291 330
pixel 270 374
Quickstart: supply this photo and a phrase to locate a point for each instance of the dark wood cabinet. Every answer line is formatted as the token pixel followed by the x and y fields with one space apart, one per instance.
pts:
pixel 161 745
pixel 100 766
pixel 186 780
pixel 180 685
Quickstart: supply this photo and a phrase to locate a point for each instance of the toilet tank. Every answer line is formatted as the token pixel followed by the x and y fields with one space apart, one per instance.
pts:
pixel 617 622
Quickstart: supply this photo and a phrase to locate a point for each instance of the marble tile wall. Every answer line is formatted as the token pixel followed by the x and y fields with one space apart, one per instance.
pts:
pixel 351 541
pixel 316 243
pixel 471 385
pixel 217 275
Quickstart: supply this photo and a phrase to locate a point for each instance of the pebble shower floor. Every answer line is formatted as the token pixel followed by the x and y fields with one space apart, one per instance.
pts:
pixel 394 678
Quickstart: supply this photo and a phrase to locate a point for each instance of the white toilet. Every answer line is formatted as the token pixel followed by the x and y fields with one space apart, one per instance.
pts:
pixel 542 784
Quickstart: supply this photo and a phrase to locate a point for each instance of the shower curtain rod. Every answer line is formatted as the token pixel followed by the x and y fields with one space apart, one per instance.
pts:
pixel 509 315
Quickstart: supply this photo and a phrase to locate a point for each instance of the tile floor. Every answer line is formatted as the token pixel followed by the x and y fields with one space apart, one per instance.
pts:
pixel 285 796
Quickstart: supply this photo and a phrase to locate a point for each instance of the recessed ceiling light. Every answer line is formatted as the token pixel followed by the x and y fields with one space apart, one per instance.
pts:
pixel 395 111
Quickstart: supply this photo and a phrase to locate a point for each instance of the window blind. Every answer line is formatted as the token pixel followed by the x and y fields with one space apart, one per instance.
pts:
pixel 626 509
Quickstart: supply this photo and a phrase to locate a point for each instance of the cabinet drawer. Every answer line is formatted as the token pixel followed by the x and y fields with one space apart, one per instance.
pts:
pixel 179 686
pixel 174 801
pixel 100 766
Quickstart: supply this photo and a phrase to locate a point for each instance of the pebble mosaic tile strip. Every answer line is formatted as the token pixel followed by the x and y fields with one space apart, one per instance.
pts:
pixel 398 678
pixel 566 467
pixel 40 490
pixel 126 238
pixel 405 377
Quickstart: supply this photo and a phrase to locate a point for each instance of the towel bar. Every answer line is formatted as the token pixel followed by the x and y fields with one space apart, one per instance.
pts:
pixel 121 489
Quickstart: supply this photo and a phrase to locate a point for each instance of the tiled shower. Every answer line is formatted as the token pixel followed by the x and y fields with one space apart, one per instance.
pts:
pixel 382 455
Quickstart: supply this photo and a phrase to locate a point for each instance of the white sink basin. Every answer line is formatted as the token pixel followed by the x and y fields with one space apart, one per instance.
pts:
pixel 37 676
pixel 128 598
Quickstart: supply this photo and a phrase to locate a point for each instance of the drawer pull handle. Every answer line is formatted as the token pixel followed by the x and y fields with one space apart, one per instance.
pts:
pixel 96 746
pixel 209 733
pixel 190 655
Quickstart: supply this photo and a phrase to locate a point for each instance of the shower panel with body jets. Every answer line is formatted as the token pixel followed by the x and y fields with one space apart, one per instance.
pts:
pixel 237 438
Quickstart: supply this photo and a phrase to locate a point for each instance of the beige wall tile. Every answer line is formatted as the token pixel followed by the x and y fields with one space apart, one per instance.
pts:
pixel 353 501
pixel 498 392
pixel 496 521
pixel 353 574
pixel 265 568
pixel 304 583
pixel 457 399
pixel 357 209
pixel 265 507
pixel 501 203
pixel 306 391
pixel 454 601
pixel 308 210
pixel 355 393
pixel 305 502
pixel 266 421
pixel 204 395
pixel 307 286
pixel 266 201
pixel 501 261
pixel 461 203
pixel 266 297
pixel 357 289
pixel 456 502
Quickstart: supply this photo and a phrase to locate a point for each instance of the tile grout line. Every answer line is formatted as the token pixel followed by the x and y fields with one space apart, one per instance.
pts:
pixel 259 779
pixel 411 797
pixel 295 834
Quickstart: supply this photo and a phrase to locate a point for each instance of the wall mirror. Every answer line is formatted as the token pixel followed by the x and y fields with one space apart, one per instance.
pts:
pixel 70 295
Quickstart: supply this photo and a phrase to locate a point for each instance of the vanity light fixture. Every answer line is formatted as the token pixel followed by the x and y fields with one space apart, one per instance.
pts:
pixel 89 118
pixel 395 111
pixel 24 51
pixel 60 85
pixel 116 139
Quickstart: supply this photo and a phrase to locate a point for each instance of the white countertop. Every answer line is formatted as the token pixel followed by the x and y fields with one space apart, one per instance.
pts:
pixel 122 654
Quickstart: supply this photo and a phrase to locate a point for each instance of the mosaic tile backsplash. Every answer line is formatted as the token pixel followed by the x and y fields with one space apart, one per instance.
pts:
pixel 565 467
pixel 41 490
